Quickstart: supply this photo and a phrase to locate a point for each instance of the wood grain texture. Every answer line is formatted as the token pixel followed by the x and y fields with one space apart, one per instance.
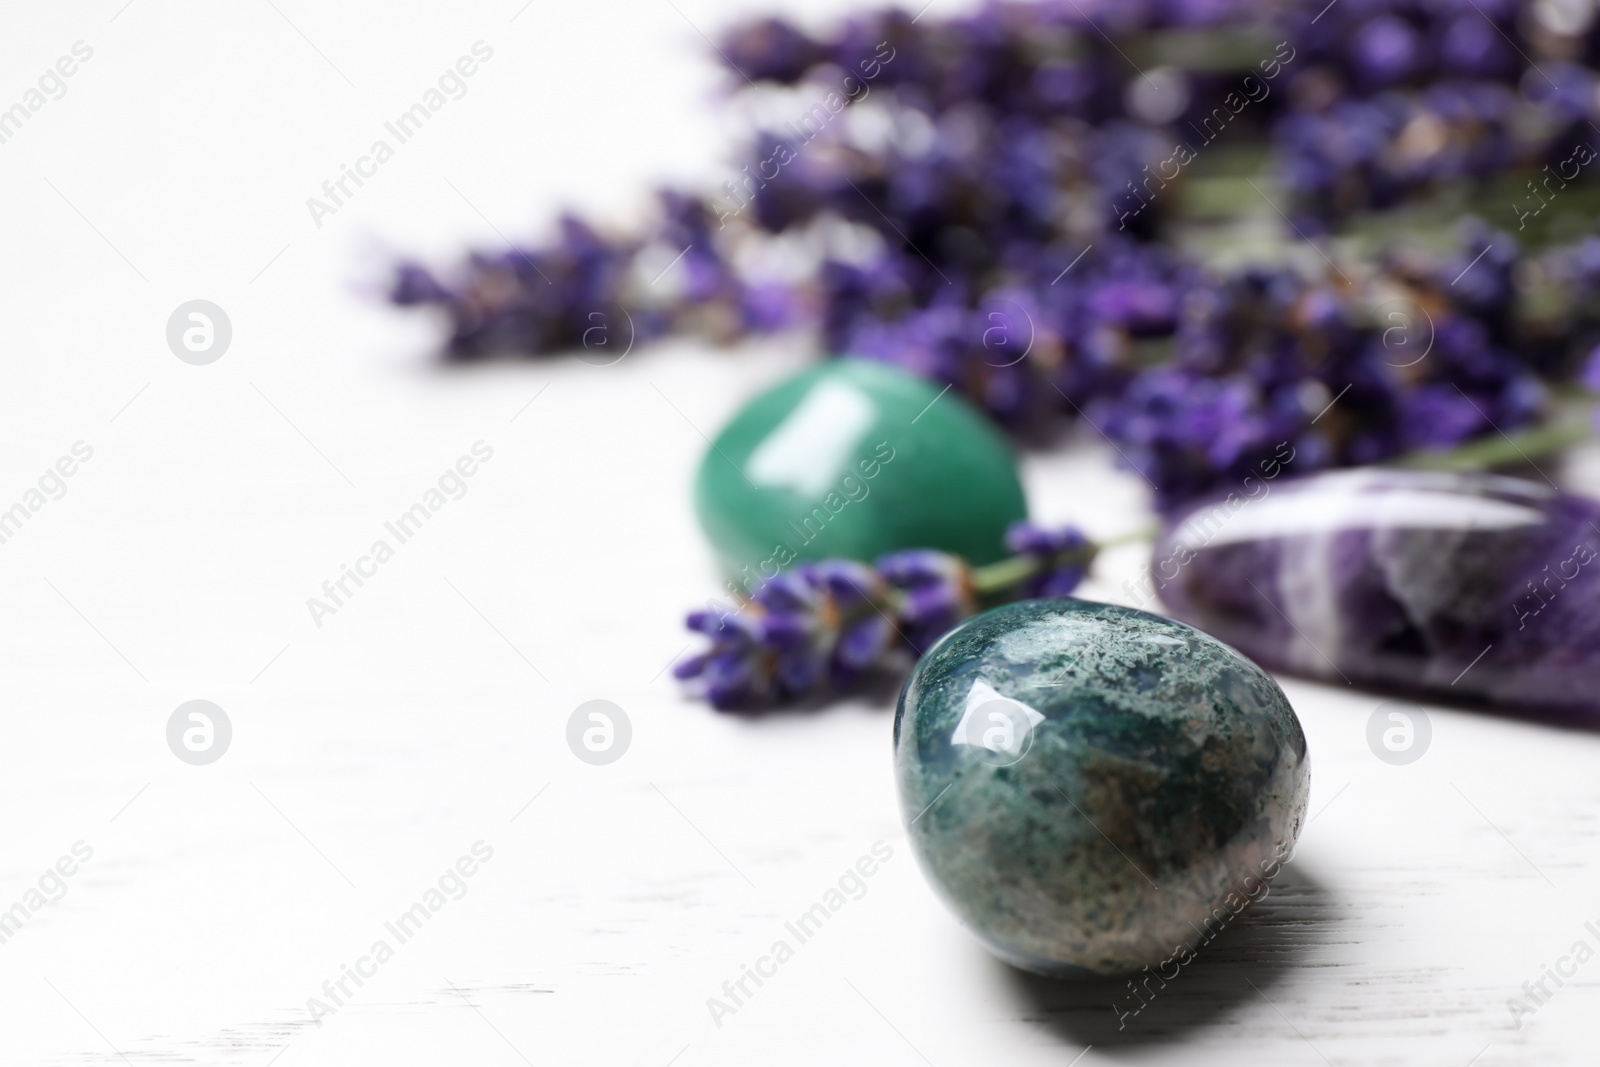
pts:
pixel 429 713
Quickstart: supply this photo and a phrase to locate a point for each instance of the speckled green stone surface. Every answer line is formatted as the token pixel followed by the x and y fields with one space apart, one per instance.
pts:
pixel 1086 784
pixel 851 460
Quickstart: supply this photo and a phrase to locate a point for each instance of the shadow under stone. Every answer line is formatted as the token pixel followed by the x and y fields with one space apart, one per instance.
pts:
pixel 1266 941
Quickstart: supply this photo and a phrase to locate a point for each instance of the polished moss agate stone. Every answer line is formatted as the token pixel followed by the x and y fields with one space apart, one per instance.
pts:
pixel 852 460
pixel 1090 787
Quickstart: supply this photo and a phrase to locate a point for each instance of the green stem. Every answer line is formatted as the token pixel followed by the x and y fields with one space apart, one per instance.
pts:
pixel 1565 429
pixel 1000 577
pixel 1132 537
pixel 1572 424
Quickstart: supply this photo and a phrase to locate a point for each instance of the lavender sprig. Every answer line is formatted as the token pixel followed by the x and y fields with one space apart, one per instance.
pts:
pixel 830 624
pixel 1012 229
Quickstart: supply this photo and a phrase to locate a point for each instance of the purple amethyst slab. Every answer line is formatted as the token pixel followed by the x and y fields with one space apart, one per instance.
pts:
pixel 1469 587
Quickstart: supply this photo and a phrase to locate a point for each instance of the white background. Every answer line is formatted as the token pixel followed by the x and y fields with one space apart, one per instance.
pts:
pixel 370 753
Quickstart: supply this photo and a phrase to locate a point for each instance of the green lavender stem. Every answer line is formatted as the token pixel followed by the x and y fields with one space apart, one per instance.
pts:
pixel 1572 424
pixel 996 581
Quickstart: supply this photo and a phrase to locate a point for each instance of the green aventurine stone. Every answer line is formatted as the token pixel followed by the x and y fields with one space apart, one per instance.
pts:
pixel 1093 789
pixel 852 460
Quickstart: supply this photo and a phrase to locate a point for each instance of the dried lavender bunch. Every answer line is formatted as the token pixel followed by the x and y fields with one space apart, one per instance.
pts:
pixel 597 293
pixel 1362 106
pixel 998 198
pixel 1345 369
pixel 830 624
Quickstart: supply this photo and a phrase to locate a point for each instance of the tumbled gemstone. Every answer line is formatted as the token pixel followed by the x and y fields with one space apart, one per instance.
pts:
pixel 1469 587
pixel 1094 789
pixel 853 460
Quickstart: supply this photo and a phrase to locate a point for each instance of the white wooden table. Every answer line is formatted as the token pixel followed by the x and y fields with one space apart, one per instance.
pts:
pixel 428 714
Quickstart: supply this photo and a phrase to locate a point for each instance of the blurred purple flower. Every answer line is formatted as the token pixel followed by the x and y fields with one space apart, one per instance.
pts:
pixel 1061 554
pixel 823 622
pixel 831 623
pixel 936 593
